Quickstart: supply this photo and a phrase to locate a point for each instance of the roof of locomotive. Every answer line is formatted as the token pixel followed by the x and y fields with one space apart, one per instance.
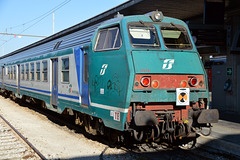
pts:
pixel 144 18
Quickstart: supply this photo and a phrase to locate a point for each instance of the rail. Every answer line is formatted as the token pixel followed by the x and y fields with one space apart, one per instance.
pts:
pixel 24 139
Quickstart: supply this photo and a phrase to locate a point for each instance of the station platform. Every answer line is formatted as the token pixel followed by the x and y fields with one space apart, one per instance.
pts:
pixel 225 134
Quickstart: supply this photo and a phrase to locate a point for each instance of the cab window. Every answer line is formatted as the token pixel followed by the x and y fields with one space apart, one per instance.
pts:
pixel 108 39
pixel 175 37
pixel 143 36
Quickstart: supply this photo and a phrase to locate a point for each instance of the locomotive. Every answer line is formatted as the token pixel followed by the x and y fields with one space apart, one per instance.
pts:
pixel 140 76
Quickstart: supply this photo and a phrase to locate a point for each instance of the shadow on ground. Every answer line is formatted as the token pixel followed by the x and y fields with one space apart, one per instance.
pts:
pixel 213 149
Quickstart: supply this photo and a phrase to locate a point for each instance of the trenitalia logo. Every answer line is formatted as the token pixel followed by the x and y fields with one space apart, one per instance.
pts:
pixel 104 67
pixel 168 63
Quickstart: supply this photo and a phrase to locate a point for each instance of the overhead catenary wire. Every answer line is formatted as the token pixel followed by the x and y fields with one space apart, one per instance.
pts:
pixel 41 18
pixel 47 13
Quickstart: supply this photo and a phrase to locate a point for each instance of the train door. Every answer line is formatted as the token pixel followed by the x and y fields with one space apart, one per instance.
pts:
pixel 54 81
pixel 18 79
pixel 85 94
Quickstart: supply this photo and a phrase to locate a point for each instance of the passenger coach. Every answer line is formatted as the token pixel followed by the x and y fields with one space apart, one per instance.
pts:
pixel 138 76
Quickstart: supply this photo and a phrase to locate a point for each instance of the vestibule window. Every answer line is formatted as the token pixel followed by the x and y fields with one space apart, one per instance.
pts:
pixel 22 72
pixel 65 70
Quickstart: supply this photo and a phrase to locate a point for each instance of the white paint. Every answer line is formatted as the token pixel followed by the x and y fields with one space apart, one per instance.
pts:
pixel 104 67
pixel 101 90
pixel 111 108
pixel 168 64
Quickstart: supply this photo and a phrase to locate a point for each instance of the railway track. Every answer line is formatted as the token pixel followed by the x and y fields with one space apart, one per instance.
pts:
pixel 13 145
pixel 148 150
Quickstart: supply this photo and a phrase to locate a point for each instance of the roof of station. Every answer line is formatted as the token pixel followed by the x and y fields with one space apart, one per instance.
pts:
pixel 181 9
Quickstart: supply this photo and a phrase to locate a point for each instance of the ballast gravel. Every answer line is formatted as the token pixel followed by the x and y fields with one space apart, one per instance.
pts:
pixel 55 141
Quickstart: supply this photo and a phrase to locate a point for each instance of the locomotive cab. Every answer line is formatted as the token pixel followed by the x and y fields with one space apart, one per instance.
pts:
pixel 146 70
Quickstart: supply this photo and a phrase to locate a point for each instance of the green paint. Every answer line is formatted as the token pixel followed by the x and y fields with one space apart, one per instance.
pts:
pixel 229 71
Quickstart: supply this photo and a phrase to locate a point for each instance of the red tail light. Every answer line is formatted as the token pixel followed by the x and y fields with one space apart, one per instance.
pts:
pixel 193 81
pixel 145 81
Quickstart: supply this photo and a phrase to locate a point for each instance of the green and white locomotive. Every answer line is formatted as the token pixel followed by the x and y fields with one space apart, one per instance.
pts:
pixel 139 76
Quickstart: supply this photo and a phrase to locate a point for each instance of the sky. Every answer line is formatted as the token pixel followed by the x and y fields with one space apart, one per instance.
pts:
pixel 34 17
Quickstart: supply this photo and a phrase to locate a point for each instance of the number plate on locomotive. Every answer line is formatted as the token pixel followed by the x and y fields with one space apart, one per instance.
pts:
pixel 182 98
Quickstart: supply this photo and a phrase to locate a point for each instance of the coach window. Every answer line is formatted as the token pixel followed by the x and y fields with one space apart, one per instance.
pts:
pixel 11 72
pixel 44 70
pixel 22 72
pixel 38 71
pixel 14 72
pixel 11 75
pixel 27 72
pixel 65 70
pixel 32 72
pixel 8 72
pixel 108 39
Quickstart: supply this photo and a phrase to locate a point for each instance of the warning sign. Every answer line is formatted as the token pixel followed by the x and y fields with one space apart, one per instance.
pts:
pixel 182 96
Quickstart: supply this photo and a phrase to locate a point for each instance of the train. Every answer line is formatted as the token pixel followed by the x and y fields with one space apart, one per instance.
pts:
pixel 138 78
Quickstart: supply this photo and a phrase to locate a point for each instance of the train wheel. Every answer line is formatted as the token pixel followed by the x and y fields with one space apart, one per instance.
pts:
pixel 138 135
pixel 113 137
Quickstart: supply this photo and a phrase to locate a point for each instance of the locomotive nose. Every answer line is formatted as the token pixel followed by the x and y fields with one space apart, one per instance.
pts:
pixel 169 62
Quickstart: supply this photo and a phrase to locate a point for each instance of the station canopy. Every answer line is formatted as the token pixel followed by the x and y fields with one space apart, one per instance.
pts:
pixel 181 9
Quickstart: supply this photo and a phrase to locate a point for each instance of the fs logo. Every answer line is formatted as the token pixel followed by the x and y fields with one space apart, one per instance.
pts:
pixel 104 67
pixel 168 63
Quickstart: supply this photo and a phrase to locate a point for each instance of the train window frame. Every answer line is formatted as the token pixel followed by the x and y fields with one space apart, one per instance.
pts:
pixel 8 72
pixel 144 24
pixel 44 71
pixel 38 72
pixel 117 35
pixel 27 72
pixel 14 72
pixel 32 71
pixel 11 77
pixel 177 26
pixel 65 70
pixel 22 72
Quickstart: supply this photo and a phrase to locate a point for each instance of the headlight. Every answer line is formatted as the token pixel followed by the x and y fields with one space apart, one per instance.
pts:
pixel 157 16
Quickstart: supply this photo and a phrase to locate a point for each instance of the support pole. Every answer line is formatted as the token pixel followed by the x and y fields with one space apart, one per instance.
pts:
pixel 53 23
